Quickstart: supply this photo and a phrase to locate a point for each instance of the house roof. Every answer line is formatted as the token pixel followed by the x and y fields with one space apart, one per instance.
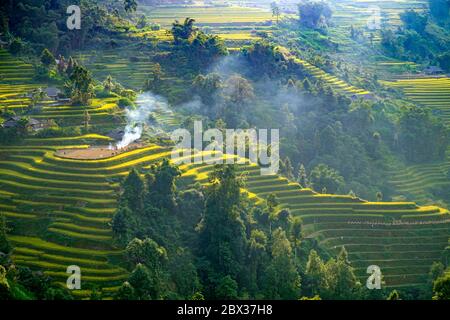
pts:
pixel 433 69
pixel 12 122
pixel 52 91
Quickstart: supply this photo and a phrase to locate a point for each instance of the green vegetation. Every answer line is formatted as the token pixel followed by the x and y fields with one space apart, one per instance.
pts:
pixel 362 114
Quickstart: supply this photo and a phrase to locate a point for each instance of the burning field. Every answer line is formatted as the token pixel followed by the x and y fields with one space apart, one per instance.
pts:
pixel 95 152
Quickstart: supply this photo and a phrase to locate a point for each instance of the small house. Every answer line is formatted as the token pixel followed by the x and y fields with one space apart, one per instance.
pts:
pixel 11 122
pixel 365 96
pixel 52 92
pixel 433 70
pixel 32 124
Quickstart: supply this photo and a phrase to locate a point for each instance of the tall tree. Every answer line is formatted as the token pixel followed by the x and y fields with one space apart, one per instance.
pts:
pixel 302 178
pixel 282 278
pixel 275 10
pixel 222 237
pixel 441 288
pixel 80 85
pixel 5 246
pixel 133 191
pixel 315 274
pixel 341 279
pixel 47 58
pixel 130 5
pixel 183 32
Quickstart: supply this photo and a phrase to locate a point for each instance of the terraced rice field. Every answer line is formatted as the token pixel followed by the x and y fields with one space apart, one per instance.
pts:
pixel 60 209
pixel 400 237
pixel 416 181
pixel 334 82
pixel 66 206
pixel 128 66
pixel 15 79
pixel 235 24
pixel 429 92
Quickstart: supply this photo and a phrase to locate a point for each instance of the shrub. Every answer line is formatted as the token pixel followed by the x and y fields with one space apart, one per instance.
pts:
pixel 155 27
pixel 47 58
pixel 125 102
pixel 16 46
pixel 54 132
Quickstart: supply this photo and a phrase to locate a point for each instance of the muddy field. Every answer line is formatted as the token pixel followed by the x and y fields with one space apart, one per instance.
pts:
pixel 95 153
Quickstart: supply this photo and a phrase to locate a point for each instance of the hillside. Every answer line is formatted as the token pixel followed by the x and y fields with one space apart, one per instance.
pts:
pixel 87 178
pixel 60 210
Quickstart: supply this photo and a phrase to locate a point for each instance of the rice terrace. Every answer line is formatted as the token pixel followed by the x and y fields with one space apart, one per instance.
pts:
pixel 93 205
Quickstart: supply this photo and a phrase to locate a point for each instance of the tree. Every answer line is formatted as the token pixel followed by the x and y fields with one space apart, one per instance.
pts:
pixel 227 289
pixel 238 93
pixel 5 288
pixel 80 85
pixel 444 61
pixel 340 277
pixel 36 96
pixel 256 257
pixel 437 270
pixel 302 178
pixel 422 136
pixel 222 237
pixel 86 120
pixel 394 295
pixel 5 246
pixel 287 169
pixel 161 192
pixel 439 9
pixel 323 176
pixel 207 87
pixel 315 274
pixel 141 282
pixel 130 5
pixel 379 196
pixel 16 46
pixel 275 10
pixel 183 273
pixel 121 222
pixel 183 32
pixel 146 252
pixel 108 84
pixel 125 292
pixel 47 58
pixel 133 191
pixel 413 20
pixel 441 288
pixel 314 14
pixel 282 280
pixel 297 233
pixel 153 257
pixel 154 80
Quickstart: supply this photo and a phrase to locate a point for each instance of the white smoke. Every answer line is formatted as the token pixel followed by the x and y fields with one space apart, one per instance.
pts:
pixel 138 117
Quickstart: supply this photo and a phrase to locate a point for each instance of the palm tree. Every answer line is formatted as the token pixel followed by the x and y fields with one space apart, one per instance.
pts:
pixel 183 31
